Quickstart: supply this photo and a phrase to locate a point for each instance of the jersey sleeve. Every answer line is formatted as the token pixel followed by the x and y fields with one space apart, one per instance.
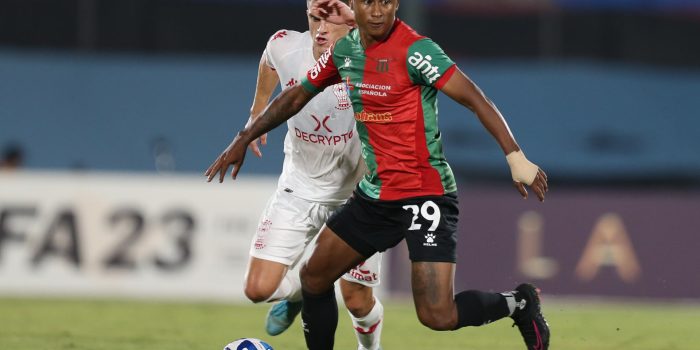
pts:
pixel 272 47
pixel 428 64
pixel 323 74
pixel 268 58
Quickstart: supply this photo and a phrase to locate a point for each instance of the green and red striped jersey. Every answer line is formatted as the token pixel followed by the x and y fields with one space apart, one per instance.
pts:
pixel 393 87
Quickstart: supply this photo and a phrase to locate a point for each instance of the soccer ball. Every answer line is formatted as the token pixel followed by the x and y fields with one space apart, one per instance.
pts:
pixel 248 344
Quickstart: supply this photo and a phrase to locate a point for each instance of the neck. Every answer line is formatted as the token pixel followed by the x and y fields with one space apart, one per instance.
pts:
pixel 368 40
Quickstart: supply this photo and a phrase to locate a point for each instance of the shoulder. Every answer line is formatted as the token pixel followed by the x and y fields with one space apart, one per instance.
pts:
pixel 405 36
pixel 285 39
pixel 345 44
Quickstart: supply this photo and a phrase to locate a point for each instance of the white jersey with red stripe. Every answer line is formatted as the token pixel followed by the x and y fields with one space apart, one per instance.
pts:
pixel 322 161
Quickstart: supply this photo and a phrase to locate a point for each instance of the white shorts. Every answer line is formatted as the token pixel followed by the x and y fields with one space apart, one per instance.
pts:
pixel 287 227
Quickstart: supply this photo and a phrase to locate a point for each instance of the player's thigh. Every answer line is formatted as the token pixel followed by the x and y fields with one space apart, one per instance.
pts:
pixel 331 258
pixel 284 230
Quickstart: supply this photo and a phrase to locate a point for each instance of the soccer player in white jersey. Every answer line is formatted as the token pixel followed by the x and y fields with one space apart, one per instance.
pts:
pixel 322 165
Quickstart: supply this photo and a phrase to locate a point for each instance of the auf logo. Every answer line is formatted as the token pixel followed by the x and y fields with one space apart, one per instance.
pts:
pixel 321 123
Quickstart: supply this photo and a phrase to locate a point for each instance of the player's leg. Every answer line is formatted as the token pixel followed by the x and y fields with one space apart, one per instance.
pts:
pixel 365 309
pixel 268 281
pixel 360 228
pixel 277 245
pixel 331 258
pixel 439 309
pixel 433 254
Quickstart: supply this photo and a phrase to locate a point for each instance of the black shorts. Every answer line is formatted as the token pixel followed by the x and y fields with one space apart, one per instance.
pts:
pixel 429 225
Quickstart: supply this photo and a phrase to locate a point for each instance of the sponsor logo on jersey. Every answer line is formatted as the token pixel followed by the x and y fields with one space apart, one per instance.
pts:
pixel 373 89
pixel 341 93
pixel 369 117
pixel 321 123
pixel 424 65
pixel 328 140
pixel 320 64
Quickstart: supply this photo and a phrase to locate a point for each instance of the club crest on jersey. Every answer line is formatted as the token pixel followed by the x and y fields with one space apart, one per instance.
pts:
pixel 424 65
pixel 383 65
pixel 341 93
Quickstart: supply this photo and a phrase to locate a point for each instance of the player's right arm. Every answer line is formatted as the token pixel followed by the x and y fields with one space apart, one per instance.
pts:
pixel 288 103
pixel 265 86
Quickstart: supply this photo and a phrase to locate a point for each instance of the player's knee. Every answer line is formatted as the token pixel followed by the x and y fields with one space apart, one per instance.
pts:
pixel 358 299
pixel 258 293
pixel 358 302
pixel 435 320
pixel 313 283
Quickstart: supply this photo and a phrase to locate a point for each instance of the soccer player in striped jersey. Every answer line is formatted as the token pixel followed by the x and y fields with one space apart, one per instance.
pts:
pixel 322 165
pixel 393 75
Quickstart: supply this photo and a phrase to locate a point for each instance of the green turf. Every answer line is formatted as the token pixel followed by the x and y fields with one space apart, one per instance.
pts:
pixel 122 325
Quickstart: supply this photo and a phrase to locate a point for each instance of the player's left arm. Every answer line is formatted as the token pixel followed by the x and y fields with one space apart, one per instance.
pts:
pixel 464 91
pixel 266 83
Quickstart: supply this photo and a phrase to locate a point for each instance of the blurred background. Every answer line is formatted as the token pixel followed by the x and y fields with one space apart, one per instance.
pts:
pixel 110 111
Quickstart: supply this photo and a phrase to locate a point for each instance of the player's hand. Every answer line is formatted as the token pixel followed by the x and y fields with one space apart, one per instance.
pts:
pixel 525 172
pixel 333 11
pixel 538 185
pixel 254 147
pixel 233 155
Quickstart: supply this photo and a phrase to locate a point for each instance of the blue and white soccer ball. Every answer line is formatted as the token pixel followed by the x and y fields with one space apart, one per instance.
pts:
pixel 248 344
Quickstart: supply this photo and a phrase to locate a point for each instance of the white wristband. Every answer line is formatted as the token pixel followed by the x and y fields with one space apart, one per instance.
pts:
pixel 521 169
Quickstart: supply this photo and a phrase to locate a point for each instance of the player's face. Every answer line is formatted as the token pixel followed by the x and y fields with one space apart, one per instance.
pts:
pixel 324 34
pixel 375 17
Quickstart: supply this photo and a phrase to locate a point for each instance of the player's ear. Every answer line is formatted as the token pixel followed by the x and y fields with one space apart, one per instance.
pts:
pixel 398 2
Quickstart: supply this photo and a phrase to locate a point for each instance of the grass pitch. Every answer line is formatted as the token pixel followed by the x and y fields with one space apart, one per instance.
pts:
pixel 49 324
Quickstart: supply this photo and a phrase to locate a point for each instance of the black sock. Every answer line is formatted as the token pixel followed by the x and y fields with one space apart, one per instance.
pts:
pixel 476 308
pixel 319 315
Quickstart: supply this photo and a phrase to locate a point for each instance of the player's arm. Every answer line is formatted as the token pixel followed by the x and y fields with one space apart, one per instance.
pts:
pixel 288 103
pixel 464 91
pixel 265 86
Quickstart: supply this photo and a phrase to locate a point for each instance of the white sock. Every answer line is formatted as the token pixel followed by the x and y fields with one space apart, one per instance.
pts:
pixel 368 329
pixel 289 288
